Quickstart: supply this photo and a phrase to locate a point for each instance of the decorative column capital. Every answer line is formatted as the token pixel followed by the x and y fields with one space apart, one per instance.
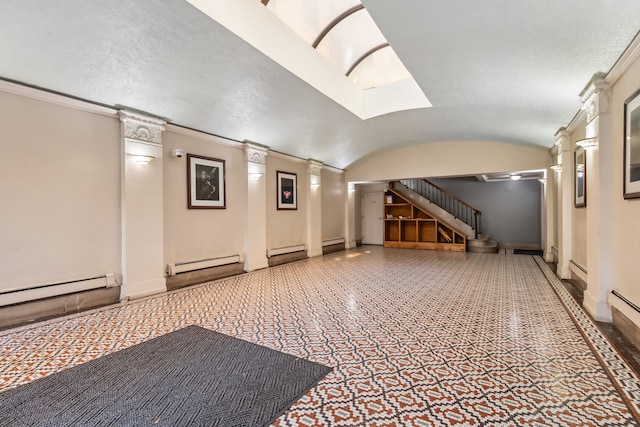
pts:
pixel 563 141
pixel 595 100
pixel 256 153
pixel 140 128
pixel 315 167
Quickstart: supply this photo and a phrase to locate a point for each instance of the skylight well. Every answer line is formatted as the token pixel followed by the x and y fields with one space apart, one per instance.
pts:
pixel 343 32
pixel 333 45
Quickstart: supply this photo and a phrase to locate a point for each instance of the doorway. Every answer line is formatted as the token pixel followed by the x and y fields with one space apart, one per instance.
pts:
pixel 372 225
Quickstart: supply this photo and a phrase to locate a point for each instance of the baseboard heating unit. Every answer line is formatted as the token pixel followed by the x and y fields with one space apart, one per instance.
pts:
pixel 332 242
pixel 285 250
pixel 36 292
pixel 183 267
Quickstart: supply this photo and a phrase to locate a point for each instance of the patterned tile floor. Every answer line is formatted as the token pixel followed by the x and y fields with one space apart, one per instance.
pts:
pixel 417 338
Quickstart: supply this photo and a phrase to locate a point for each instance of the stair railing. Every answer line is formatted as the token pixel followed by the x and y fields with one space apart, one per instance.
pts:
pixel 447 201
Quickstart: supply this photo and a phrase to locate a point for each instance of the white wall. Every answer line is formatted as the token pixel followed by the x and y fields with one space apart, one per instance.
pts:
pixel 286 227
pixel 626 227
pixel 333 200
pixel 511 210
pixel 447 159
pixel 60 187
pixel 195 234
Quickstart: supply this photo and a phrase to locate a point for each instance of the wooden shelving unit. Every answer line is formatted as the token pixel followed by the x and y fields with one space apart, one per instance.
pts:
pixel 407 226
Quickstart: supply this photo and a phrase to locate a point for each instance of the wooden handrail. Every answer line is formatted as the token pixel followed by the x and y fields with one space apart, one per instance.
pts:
pixel 475 210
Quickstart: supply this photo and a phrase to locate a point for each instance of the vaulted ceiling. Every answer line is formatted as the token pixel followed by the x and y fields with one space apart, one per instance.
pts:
pixel 502 70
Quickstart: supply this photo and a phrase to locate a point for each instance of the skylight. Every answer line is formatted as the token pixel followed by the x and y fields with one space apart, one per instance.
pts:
pixel 343 32
pixel 333 45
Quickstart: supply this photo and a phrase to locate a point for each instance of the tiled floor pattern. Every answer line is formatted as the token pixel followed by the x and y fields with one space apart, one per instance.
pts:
pixel 417 338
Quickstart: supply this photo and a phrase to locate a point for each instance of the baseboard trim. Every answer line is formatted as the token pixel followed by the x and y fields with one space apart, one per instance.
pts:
pixel 333 248
pixel 195 277
pixel 629 329
pixel 285 258
pixel 37 310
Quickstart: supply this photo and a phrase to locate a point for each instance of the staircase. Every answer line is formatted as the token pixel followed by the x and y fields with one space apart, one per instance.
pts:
pixel 443 204
pixel 483 244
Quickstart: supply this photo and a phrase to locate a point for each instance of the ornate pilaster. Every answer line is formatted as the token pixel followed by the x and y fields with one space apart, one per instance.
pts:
pixel 255 219
pixel 255 153
pixel 565 203
pixel 142 206
pixel 315 168
pixel 141 128
pixel 599 164
pixel 314 209
pixel 141 135
pixel 595 100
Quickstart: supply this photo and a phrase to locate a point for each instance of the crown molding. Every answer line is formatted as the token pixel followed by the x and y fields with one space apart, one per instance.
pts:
pixel 577 120
pixel 63 100
pixel 333 169
pixel 628 57
pixel 180 130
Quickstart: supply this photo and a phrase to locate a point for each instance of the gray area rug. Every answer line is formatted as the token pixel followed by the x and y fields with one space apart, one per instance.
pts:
pixel 190 377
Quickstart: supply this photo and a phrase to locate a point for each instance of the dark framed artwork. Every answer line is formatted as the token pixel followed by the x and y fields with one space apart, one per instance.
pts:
pixel 287 190
pixel 580 178
pixel 632 146
pixel 205 182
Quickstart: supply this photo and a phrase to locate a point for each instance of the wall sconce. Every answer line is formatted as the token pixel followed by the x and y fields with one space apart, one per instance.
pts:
pixel 515 177
pixel 588 144
pixel 255 175
pixel 557 167
pixel 314 186
pixel 142 159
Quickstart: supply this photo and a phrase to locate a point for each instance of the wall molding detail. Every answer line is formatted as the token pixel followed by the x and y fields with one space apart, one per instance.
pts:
pixel 596 99
pixel 55 98
pixel 315 167
pixel 256 153
pixel 194 133
pixel 630 55
pixel 141 128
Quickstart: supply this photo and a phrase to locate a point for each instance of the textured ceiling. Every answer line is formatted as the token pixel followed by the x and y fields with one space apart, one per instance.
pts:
pixel 501 70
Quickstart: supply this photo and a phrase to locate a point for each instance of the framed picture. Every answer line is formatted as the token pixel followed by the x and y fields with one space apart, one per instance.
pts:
pixel 632 146
pixel 205 182
pixel 287 190
pixel 579 178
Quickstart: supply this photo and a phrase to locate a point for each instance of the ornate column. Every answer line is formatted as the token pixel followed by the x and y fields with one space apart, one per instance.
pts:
pixel 551 205
pixel 599 191
pixel 549 187
pixel 255 218
pixel 565 203
pixel 314 209
pixel 142 206
pixel 350 216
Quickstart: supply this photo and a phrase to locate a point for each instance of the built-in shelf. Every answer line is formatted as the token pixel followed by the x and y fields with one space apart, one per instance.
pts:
pixel 408 226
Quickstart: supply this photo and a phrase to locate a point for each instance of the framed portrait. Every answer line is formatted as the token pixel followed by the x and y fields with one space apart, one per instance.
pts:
pixel 579 178
pixel 632 146
pixel 287 190
pixel 205 183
